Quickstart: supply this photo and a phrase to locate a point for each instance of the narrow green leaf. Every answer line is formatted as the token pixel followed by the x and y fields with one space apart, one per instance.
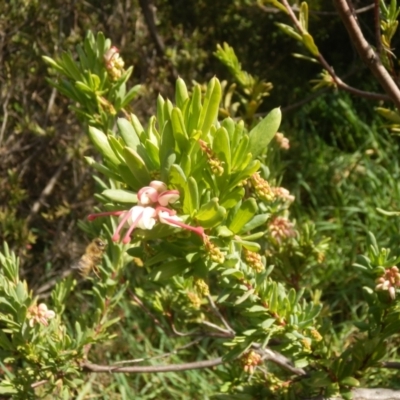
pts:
pixel 264 131
pixel 181 93
pixel 100 141
pixel 70 67
pixel 255 222
pixel 230 126
pixel 191 197
pixel 244 297
pixel 193 111
pixel 289 31
pixel 85 88
pixel 137 126
pixel 210 108
pixel 169 269
pixel 103 169
pixel 128 177
pixel 252 246
pixel 54 64
pixel 310 44
pixel 267 323
pixel 177 178
pixel 391 115
pixel 350 381
pixel 153 154
pixel 132 93
pixel 303 16
pixel 120 196
pixel 232 197
pixel 116 146
pixel 167 148
pixel 186 164
pixel 160 112
pixel 137 166
pixel 128 133
pixel 240 152
pixel 179 130
pixel 222 148
pixel 210 214
pixel 245 213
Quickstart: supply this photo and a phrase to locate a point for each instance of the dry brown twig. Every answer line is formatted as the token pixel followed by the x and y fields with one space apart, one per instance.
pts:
pixel 366 52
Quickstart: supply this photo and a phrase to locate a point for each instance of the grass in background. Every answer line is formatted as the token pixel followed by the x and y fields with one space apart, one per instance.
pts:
pixel 342 166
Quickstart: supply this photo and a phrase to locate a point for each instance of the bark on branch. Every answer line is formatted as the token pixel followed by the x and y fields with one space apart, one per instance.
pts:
pixel 366 52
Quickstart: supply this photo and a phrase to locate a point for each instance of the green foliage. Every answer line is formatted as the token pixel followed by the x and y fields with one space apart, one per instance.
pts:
pixel 275 282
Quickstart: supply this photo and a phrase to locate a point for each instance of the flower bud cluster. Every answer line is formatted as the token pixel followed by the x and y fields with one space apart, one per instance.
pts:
pixel 316 335
pixel 262 187
pixel 253 260
pixel 214 163
pixel 306 344
pixel 213 251
pixel 283 194
pixel 194 299
pixel 250 360
pixel 281 229
pixel 282 141
pixel 39 314
pixel 201 287
pixel 389 281
pixel 114 63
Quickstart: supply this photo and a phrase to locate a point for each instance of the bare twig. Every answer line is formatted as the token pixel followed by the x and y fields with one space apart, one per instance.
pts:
pixel 173 352
pixel 219 315
pixel 5 117
pixel 148 12
pixel 225 332
pixel 366 52
pixel 39 383
pixel 144 308
pixel 377 22
pixel 44 291
pixel 339 83
pixel 48 188
pixel 278 359
pixel 367 394
pixel 88 366
pixel 391 364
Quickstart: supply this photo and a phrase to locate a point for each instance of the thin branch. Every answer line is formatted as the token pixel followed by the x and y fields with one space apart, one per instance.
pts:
pixel 148 13
pixel 5 115
pixel 391 364
pixel 225 332
pixel 377 22
pixel 366 52
pixel 48 188
pixel 278 359
pixel 44 291
pixel 173 352
pixel 145 309
pixel 39 383
pixel 339 83
pixel 219 315
pixel 88 366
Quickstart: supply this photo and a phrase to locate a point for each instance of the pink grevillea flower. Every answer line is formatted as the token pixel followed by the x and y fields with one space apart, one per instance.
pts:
pixel 389 281
pixel 151 208
pixel 40 314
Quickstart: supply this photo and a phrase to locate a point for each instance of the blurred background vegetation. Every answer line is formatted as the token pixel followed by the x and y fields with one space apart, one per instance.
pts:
pixel 342 163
